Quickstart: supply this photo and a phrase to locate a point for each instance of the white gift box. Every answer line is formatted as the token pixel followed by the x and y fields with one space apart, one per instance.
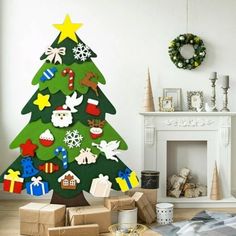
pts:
pixel 101 186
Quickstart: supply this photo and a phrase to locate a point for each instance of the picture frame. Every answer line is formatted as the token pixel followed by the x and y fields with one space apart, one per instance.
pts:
pixel 195 100
pixel 166 104
pixel 176 94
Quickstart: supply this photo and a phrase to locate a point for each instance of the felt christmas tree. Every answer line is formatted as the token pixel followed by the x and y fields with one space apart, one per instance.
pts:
pixel 68 146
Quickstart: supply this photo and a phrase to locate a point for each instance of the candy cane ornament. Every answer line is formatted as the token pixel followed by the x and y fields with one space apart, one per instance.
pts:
pixel 63 151
pixel 71 73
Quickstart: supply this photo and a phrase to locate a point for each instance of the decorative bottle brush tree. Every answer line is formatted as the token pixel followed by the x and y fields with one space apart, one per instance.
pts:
pixel 68 146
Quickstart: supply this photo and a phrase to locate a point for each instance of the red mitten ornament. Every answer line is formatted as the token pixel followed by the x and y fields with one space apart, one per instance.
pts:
pixel 92 108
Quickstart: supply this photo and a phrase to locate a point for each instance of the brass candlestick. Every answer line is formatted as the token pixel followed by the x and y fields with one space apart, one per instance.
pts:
pixel 225 100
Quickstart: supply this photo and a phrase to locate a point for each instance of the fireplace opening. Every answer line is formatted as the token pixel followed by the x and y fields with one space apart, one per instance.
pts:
pixel 186 169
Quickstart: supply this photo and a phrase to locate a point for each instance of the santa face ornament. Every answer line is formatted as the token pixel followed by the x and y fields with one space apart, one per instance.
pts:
pixel 61 117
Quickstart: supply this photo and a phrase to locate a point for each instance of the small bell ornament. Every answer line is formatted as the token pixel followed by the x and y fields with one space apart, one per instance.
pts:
pixel 28 169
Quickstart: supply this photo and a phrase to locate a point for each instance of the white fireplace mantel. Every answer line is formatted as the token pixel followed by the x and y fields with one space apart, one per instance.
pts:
pixel 212 127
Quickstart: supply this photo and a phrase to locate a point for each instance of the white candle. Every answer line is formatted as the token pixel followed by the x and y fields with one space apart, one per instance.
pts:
pixel 225 81
pixel 213 75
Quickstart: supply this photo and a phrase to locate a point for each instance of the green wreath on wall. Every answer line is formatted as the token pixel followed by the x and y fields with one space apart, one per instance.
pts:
pixel 179 60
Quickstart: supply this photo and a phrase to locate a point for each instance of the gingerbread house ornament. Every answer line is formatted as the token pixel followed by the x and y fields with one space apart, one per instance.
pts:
pixel 69 180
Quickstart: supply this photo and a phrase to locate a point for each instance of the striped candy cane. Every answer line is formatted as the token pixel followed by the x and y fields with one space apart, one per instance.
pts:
pixel 71 74
pixel 64 156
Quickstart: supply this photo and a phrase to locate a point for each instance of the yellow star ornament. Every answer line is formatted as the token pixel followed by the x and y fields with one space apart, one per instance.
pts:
pixel 68 29
pixel 42 101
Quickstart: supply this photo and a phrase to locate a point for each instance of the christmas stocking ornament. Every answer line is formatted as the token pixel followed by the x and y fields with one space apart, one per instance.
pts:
pixel 92 108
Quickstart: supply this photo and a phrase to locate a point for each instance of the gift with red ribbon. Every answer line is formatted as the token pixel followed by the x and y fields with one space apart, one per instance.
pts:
pixel 12 182
pixel 37 187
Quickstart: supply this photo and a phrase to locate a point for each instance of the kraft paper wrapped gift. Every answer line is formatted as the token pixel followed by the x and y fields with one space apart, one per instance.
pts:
pixel 145 211
pixel 90 215
pixel 36 218
pixel 151 195
pixel 79 230
pixel 119 203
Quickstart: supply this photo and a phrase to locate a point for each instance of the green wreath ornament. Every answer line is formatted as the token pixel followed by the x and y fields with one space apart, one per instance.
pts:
pixel 179 60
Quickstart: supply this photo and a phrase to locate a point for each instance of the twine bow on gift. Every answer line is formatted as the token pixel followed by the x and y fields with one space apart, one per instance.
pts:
pixel 54 54
pixel 125 176
pixel 13 175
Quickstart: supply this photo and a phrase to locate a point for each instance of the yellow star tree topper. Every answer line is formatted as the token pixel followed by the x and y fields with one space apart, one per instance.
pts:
pixel 68 29
pixel 42 101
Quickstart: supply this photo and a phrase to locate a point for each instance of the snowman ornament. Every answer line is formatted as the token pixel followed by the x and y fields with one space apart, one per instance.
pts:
pixel 62 115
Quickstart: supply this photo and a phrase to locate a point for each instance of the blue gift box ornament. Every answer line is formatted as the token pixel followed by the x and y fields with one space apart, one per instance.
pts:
pixel 37 187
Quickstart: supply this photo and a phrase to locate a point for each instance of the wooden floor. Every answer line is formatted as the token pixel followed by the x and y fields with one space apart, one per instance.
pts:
pixel 9 217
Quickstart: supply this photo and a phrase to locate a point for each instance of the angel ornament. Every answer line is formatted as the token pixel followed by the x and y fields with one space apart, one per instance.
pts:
pixel 109 149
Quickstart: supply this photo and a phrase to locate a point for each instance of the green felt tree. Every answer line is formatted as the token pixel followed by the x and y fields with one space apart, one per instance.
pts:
pixel 68 146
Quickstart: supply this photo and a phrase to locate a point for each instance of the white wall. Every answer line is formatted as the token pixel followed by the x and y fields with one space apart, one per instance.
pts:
pixel 128 36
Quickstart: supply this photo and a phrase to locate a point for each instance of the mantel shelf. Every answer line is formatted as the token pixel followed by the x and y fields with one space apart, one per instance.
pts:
pixel 186 113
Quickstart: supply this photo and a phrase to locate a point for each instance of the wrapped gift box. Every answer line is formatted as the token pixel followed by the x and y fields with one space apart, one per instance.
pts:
pixel 37 187
pixel 101 186
pixel 127 180
pixel 36 218
pixel 151 195
pixel 12 182
pixel 83 230
pixel 119 203
pixel 145 211
pixel 90 215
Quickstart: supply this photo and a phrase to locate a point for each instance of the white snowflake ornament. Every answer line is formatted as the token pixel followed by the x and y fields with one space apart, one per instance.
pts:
pixel 81 52
pixel 73 138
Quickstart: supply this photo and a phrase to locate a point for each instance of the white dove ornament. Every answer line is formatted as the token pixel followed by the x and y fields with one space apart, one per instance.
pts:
pixel 72 101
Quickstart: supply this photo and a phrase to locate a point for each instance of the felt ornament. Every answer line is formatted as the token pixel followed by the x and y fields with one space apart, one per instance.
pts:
pixel 54 54
pixel 37 187
pixel 73 138
pixel 109 149
pixel 92 108
pixel 46 138
pixel 48 74
pixel 28 169
pixel 67 29
pixel 86 157
pixel 48 167
pixel 127 179
pixel 86 81
pixel 81 52
pixel 101 186
pixel 61 117
pixel 72 102
pixel 12 182
pixel 96 128
pixel 42 101
pixel 63 151
pixel 69 180
pixel 71 73
pixel 28 148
